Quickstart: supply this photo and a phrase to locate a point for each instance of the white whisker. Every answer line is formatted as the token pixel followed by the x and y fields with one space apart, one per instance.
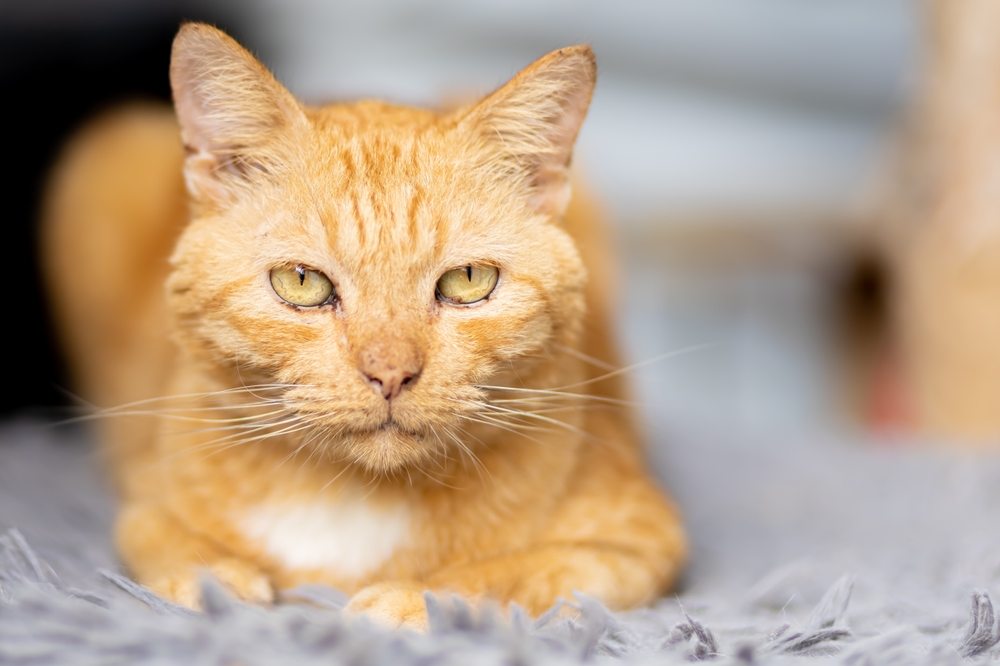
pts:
pixel 587 358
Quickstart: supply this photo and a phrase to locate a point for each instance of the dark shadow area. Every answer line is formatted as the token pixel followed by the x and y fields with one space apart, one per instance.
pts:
pixel 55 73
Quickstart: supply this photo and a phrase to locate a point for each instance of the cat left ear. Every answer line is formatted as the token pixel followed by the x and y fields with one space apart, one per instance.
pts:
pixel 532 122
pixel 232 111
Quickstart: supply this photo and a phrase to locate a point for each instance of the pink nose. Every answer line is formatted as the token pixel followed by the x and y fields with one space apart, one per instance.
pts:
pixel 389 380
pixel 389 362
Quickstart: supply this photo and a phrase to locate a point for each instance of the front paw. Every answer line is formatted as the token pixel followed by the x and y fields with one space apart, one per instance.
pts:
pixel 242 579
pixel 392 605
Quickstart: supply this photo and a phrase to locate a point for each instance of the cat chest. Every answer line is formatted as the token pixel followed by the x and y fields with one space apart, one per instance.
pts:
pixel 350 536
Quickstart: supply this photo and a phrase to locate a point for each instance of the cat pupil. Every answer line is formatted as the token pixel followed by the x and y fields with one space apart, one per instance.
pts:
pixel 468 272
pixel 302 275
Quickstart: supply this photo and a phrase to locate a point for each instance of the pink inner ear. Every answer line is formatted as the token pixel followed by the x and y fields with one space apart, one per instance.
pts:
pixel 231 110
pixel 227 103
pixel 551 190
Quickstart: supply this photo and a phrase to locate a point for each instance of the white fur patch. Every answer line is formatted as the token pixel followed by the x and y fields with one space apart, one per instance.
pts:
pixel 351 535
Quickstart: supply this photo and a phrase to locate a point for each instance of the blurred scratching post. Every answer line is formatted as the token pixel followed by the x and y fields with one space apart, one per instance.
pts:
pixel 945 237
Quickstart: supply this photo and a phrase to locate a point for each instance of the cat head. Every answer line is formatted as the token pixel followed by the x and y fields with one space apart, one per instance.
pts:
pixel 381 264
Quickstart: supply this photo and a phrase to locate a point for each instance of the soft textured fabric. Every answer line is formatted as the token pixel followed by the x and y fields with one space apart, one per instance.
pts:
pixel 805 549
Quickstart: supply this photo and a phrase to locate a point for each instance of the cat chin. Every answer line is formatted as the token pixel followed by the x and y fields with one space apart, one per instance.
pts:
pixel 389 448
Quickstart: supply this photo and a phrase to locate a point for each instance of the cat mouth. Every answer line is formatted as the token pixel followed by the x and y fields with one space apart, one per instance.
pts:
pixel 391 425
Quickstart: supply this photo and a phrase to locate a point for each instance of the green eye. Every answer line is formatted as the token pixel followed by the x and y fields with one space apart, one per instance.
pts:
pixel 301 286
pixel 468 284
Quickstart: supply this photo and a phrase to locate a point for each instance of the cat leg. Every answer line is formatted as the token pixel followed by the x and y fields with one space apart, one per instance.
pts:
pixel 623 548
pixel 537 578
pixel 615 536
pixel 534 579
pixel 169 559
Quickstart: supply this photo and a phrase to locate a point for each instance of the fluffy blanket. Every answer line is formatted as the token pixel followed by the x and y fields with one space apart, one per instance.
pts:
pixel 805 549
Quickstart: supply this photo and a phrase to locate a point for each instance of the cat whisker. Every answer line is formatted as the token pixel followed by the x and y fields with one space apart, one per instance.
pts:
pixel 129 409
pixel 222 443
pixel 641 364
pixel 546 419
pixel 315 451
pixel 244 426
pixel 464 448
pixel 435 457
pixel 306 441
pixel 486 418
pixel 603 365
pixel 545 406
pixel 209 449
pixel 261 420
pixel 246 433
pixel 613 372
pixel 177 414
pixel 561 409
pixel 208 394
pixel 339 474
pixel 511 422
pixel 521 430
pixel 291 429
pixel 520 427
pixel 552 394
pixel 166 415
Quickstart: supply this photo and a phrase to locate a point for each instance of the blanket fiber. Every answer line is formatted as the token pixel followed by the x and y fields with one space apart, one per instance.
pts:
pixel 806 549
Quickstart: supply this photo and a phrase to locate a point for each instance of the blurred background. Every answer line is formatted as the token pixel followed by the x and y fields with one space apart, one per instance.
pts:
pixel 742 150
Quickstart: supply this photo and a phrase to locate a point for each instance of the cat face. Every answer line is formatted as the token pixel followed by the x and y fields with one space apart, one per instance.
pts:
pixel 384 263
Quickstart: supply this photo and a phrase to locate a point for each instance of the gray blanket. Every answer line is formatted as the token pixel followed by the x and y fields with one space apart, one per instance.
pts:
pixel 805 549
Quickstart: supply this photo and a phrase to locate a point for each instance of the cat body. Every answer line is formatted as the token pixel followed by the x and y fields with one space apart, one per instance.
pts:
pixel 388 431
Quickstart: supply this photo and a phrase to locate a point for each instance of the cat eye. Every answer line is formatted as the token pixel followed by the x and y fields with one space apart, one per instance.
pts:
pixel 301 286
pixel 468 284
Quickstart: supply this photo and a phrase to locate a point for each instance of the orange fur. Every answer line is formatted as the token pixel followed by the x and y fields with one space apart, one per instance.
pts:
pixel 247 440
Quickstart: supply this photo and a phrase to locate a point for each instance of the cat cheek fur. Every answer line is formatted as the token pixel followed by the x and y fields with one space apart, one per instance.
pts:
pixel 263 428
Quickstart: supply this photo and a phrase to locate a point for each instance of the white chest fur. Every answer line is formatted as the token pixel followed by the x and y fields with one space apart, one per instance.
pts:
pixel 350 535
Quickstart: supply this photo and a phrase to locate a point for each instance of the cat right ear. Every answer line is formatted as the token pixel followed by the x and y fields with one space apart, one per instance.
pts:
pixel 528 127
pixel 232 112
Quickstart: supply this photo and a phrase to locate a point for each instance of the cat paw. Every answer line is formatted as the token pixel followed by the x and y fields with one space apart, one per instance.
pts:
pixel 391 605
pixel 243 580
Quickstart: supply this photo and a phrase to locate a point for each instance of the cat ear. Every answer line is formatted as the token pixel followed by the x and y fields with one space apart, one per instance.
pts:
pixel 231 110
pixel 532 122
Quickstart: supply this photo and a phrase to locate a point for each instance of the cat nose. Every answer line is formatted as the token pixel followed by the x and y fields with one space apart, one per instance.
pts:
pixel 389 378
pixel 390 382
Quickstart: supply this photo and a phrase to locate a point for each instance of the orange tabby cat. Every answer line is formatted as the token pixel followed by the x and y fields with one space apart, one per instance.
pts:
pixel 373 362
